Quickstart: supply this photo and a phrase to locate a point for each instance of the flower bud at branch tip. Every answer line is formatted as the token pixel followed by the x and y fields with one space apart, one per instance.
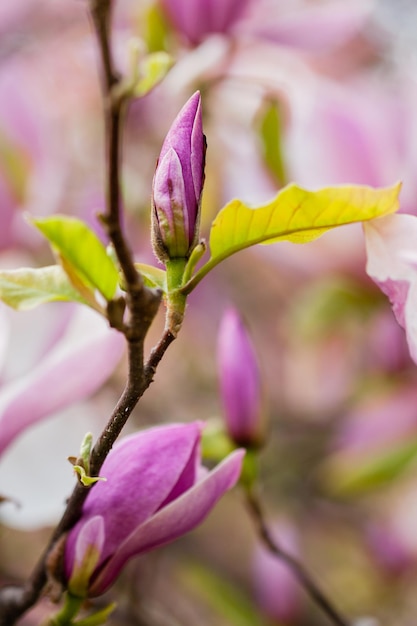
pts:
pixel 178 185
pixel 240 384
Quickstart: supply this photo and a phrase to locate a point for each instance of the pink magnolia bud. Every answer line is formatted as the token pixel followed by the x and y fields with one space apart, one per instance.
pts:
pixel 155 491
pixel 178 185
pixel 240 384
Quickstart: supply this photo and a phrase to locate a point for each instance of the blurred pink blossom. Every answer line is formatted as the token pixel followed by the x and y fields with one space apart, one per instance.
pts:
pixel 75 366
pixel 276 589
pixel 297 24
pixel 392 263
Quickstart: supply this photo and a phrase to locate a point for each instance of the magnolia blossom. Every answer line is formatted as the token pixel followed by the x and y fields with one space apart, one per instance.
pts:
pixel 240 382
pixel 391 246
pixel 297 24
pixel 73 368
pixel 195 19
pixel 178 184
pixel 48 378
pixel 155 491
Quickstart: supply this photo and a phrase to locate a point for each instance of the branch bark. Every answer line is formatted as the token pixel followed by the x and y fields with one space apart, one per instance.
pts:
pixel 304 578
pixel 142 305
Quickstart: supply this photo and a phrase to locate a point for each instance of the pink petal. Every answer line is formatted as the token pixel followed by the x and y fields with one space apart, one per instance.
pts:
pixel 315 28
pixel 388 242
pixel 174 520
pixel 81 561
pixel 143 471
pixel 91 534
pixel 77 365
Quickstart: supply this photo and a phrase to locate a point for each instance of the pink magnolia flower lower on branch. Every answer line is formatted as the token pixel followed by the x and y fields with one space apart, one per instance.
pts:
pixel 156 490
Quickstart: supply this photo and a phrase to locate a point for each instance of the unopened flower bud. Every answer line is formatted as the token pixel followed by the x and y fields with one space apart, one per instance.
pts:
pixel 240 383
pixel 178 185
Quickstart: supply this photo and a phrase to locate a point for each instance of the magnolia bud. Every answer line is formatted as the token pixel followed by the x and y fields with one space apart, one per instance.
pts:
pixel 178 185
pixel 240 383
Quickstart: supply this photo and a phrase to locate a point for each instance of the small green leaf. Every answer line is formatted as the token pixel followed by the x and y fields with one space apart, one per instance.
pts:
pixel 15 165
pixel 215 442
pixel 152 70
pixel 99 618
pixel 270 132
pixel 85 451
pixel 153 276
pixel 296 215
pixel 85 479
pixel 156 28
pixel 232 605
pixel 80 251
pixel 28 287
pixel 350 474
pixel 197 253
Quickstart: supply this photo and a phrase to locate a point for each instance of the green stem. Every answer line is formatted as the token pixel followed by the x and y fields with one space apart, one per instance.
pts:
pixel 68 612
pixel 176 300
pixel 191 284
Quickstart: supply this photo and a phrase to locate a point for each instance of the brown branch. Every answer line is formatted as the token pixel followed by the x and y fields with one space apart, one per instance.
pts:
pixel 303 577
pixel 142 305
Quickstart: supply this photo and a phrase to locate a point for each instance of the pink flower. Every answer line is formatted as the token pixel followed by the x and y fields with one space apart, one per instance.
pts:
pixel 391 246
pixel 195 19
pixel 303 26
pixel 74 367
pixel 156 490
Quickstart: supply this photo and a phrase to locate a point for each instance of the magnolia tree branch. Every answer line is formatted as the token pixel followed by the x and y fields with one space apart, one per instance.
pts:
pixel 141 305
pixel 303 577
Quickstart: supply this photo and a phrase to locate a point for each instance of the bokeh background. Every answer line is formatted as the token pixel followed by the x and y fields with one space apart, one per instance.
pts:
pixel 319 92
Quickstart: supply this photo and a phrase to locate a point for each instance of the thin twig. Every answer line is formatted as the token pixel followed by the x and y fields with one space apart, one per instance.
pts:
pixel 142 306
pixel 303 577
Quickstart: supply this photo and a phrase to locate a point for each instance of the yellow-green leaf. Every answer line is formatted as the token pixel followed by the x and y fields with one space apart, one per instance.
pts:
pixel 296 215
pixel 81 252
pixel 152 70
pixel 350 474
pixel 28 287
pixel 153 276
pixel 270 122
pixel 15 165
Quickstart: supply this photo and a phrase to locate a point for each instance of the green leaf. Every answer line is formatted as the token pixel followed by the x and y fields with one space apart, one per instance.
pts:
pixel 270 132
pixel 153 276
pixel 81 252
pixel 350 474
pixel 152 70
pixel 156 28
pixel 27 287
pixel 222 596
pixel 99 618
pixel 15 165
pixel 296 215
pixel 87 480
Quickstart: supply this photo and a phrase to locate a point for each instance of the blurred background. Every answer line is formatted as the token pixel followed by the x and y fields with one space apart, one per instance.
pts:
pixel 319 92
